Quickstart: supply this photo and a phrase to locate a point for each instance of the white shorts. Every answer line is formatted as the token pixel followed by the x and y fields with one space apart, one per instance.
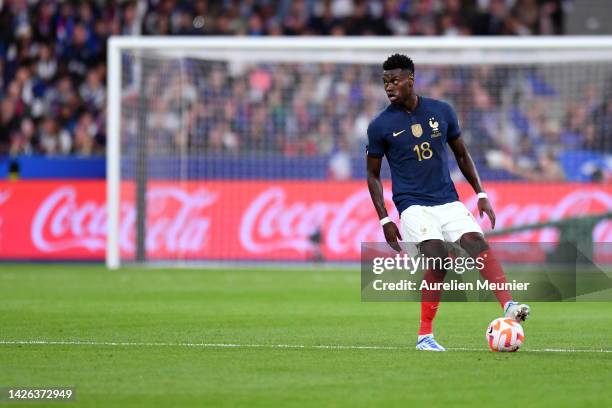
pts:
pixel 447 222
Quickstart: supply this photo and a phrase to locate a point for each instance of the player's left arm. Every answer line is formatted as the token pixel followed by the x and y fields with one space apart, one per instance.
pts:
pixel 468 168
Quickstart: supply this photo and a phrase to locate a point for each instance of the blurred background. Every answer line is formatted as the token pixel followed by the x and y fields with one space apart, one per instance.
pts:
pixel 263 122
pixel 53 74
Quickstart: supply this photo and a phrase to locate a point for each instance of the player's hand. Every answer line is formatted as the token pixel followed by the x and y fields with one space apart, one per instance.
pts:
pixel 484 206
pixel 392 235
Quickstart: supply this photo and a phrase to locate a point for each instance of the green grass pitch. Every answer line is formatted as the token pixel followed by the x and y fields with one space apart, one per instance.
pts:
pixel 139 342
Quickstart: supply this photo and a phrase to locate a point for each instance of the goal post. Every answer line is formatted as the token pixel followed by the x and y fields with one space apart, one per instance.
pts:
pixel 195 122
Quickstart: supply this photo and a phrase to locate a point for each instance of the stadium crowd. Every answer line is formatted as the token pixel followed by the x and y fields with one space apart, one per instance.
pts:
pixel 53 70
pixel 312 109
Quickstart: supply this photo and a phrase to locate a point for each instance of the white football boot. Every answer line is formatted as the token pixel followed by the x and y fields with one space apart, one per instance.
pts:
pixel 517 311
pixel 428 343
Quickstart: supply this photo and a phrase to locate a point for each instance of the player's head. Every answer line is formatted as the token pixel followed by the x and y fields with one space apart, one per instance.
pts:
pixel 398 78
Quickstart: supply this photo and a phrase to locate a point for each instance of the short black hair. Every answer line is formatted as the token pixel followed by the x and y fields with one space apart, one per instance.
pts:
pixel 400 61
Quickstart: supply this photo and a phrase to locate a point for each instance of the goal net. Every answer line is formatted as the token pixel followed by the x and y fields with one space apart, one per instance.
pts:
pixel 234 149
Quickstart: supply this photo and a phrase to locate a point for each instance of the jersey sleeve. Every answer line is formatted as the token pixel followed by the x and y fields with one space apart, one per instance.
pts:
pixel 376 143
pixel 454 131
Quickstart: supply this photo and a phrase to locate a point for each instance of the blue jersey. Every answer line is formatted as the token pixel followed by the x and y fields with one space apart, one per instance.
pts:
pixel 415 146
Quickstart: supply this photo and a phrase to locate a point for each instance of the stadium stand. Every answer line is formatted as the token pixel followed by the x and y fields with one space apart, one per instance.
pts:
pixel 53 71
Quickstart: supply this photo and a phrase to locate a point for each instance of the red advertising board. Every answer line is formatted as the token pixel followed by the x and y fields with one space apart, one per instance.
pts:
pixel 242 220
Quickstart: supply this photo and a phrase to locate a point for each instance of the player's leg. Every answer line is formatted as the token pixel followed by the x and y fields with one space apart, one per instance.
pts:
pixel 420 227
pixel 458 224
pixel 430 298
pixel 476 246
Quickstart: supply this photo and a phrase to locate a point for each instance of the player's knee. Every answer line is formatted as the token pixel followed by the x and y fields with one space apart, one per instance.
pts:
pixel 436 252
pixel 474 243
pixel 433 248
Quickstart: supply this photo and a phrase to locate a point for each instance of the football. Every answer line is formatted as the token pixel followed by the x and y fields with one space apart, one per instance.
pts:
pixel 505 334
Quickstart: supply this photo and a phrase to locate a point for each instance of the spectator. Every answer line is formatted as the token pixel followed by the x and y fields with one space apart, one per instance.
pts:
pixel 545 169
pixel 92 91
pixel 23 140
pixel 598 134
pixel 53 139
pixel 85 135
pixel 324 21
pixel 46 68
pixel 9 122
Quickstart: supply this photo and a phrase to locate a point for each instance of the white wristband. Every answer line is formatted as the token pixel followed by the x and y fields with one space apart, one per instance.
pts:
pixel 385 220
pixel 482 195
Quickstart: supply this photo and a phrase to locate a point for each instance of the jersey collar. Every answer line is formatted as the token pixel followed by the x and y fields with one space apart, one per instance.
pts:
pixel 402 109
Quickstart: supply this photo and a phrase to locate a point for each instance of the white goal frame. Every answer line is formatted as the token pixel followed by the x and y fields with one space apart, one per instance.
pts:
pixel 425 51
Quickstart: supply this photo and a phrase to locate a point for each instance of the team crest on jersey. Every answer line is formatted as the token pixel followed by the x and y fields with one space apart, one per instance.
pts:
pixel 434 125
pixel 417 130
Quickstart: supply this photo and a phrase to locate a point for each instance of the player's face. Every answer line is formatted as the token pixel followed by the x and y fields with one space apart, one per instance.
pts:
pixel 398 85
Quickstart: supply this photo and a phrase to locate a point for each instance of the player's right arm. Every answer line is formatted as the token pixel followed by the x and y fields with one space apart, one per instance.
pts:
pixel 375 154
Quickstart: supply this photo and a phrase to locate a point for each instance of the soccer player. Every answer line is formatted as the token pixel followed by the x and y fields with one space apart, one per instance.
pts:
pixel 412 132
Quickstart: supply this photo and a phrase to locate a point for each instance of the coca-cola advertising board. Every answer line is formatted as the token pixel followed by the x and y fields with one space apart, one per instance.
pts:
pixel 259 220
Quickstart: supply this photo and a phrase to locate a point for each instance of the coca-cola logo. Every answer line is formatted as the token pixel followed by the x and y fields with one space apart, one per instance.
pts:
pixel 355 222
pixel 574 204
pixel 245 220
pixel 274 222
pixel 61 223
pixel 175 222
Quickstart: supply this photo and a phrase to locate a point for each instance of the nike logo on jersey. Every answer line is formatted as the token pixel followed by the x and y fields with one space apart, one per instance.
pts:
pixel 398 133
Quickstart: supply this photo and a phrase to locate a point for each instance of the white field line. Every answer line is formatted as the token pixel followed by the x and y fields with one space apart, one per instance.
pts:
pixel 270 346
